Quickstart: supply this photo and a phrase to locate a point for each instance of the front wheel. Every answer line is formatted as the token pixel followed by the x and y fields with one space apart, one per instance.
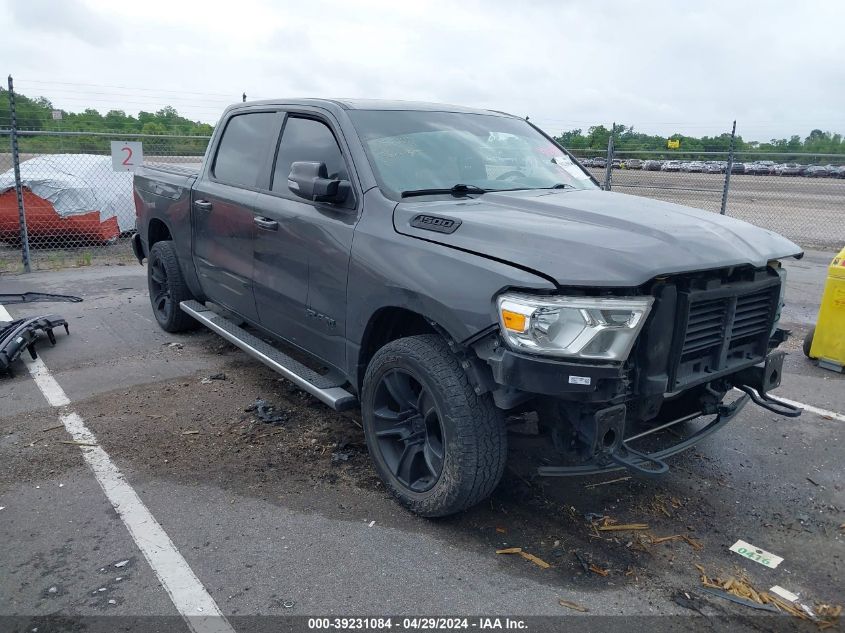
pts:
pixel 438 446
pixel 168 288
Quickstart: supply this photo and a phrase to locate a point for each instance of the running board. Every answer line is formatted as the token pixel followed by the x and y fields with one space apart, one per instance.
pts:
pixel 326 388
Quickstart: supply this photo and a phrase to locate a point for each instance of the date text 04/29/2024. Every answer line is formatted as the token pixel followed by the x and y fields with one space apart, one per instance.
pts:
pixel 417 623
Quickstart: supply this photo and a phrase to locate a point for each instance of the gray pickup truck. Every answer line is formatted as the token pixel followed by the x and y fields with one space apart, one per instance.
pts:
pixel 445 267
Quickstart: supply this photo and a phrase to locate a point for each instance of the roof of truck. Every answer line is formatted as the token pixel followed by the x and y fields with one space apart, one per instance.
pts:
pixel 375 104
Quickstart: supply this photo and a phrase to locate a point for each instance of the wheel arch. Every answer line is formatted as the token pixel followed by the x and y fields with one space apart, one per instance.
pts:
pixel 157 230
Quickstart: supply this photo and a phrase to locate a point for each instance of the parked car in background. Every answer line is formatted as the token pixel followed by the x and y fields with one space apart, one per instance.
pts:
pixel 633 163
pixel 738 168
pixel 792 169
pixel 671 165
pixel 816 171
pixel 652 165
pixel 617 163
pixel 695 167
pixel 600 162
pixel 840 172
pixel 713 168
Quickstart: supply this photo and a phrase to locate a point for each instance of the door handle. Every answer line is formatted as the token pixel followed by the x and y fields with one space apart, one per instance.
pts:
pixel 267 225
pixel 202 205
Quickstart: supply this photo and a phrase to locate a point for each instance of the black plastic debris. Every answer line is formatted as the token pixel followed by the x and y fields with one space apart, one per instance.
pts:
pixel 266 412
pixel 17 336
pixel 32 297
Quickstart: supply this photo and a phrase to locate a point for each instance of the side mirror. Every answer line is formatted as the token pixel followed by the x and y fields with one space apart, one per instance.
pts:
pixel 310 180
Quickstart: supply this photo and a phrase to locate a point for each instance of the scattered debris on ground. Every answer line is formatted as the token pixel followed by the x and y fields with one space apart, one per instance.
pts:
pixel 784 593
pixel 741 591
pixel 604 483
pixel 266 412
pixel 210 379
pixel 693 543
pixel 7 298
pixel 529 557
pixel 608 524
pixel 572 605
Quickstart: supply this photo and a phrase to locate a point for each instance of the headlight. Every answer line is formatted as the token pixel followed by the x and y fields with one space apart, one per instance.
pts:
pixel 579 327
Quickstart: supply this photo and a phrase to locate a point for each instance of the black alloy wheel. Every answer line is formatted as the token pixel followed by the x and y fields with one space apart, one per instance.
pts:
pixel 408 430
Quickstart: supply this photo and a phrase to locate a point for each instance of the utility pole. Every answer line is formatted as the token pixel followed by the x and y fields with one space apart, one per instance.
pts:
pixel 16 161
pixel 728 170
pixel 608 168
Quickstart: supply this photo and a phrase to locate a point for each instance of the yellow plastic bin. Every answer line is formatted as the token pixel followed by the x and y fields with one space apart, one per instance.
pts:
pixel 828 337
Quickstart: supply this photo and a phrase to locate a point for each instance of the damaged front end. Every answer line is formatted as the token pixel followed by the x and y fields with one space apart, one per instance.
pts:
pixel 708 336
pixel 597 440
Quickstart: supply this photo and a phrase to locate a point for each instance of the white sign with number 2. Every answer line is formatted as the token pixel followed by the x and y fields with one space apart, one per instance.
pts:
pixel 126 155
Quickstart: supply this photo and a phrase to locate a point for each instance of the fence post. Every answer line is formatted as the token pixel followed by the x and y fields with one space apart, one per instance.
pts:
pixel 16 161
pixel 608 168
pixel 728 170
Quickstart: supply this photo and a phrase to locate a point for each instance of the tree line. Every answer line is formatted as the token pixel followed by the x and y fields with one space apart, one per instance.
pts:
pixel 36 113
pixel 595 139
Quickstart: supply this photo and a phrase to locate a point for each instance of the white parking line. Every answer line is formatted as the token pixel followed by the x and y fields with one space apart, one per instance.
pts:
pixel 185 590
pixel 808 407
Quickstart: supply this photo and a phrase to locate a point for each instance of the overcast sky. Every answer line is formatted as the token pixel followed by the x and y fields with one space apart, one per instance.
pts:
pixel 663 67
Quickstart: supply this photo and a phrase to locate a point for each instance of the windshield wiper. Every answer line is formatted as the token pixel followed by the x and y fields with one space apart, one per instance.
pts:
pixel 457 190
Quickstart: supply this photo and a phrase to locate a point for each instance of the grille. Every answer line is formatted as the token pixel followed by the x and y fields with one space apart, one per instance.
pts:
pixel 723 328
pixel 705 327
pixel 753 316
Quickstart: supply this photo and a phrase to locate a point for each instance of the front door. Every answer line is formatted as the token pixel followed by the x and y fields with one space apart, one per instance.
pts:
pixel 302 248
pixel 223 209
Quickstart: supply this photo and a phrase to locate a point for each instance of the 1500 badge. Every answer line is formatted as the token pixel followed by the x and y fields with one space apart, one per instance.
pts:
pixel 435 223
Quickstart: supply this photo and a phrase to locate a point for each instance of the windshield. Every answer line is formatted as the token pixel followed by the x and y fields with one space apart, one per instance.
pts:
pixel 414 151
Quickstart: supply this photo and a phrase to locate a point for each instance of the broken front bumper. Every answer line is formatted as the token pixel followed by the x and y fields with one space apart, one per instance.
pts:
pixel 755 382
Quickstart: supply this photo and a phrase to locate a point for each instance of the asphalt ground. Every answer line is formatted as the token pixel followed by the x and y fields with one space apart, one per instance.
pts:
pixel 284 520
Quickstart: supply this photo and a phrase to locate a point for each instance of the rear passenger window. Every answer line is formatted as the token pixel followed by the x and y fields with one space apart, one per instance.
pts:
pixel 243 147
pixel 307 140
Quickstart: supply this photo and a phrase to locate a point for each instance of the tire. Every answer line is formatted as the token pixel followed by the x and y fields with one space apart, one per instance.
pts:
pixel 167 289
pixel 808 341
pixel 420 413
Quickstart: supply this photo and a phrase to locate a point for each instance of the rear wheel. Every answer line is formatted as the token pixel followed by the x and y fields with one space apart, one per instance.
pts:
pixel 168 288
pixel 438 446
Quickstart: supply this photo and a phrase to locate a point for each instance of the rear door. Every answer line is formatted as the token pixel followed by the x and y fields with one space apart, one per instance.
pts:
pixel 302 248
pixel 223 209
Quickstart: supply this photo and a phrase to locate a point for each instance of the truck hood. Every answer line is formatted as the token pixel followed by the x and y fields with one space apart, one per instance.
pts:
pixel 593 237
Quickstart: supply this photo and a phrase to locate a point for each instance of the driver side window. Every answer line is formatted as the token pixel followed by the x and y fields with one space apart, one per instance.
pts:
pixel 307 140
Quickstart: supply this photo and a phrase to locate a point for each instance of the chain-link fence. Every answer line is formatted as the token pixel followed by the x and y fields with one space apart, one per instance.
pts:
pixel 801 196
pixel 80 211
